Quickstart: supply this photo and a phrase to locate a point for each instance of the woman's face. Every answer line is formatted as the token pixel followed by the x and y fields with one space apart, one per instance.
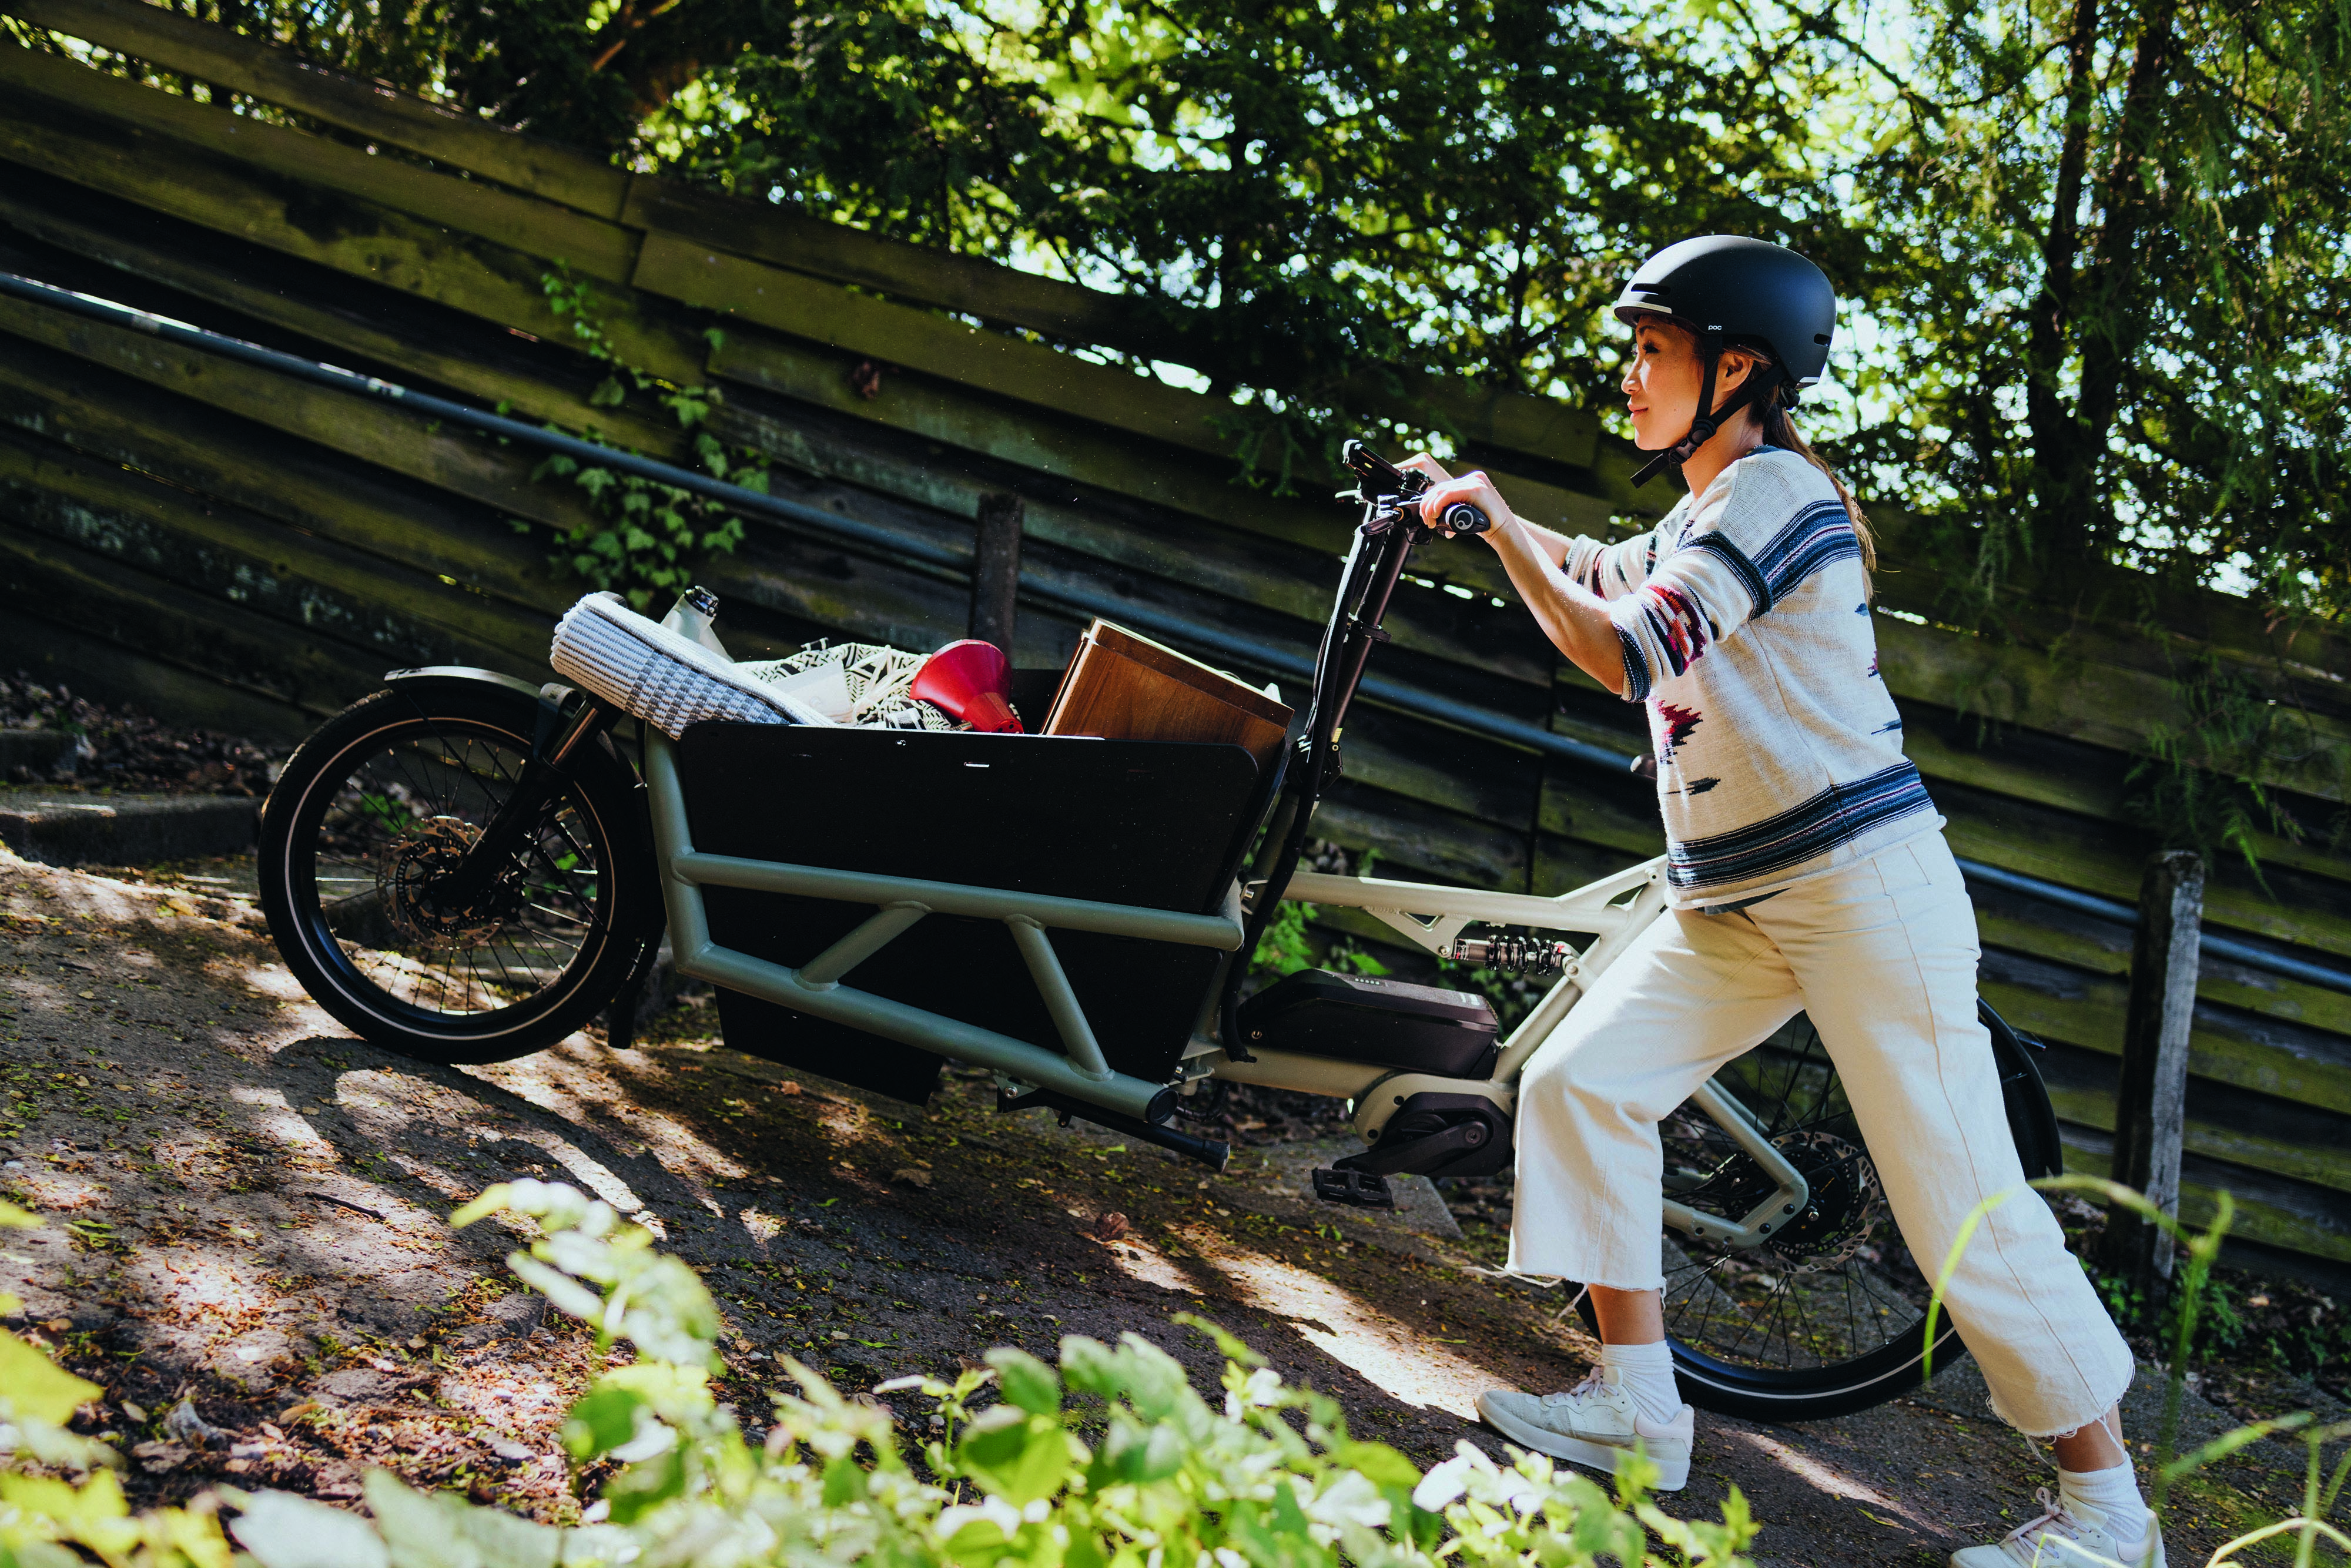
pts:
pixel 1662 379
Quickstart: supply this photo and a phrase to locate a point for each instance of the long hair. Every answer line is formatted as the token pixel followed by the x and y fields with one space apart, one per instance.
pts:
pixel 1781 431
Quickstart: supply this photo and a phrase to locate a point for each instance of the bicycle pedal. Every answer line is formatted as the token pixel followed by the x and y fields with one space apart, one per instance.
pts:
pixel 1357 1189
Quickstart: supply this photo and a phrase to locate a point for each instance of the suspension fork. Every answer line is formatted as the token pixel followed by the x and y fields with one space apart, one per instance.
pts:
pixel 554 759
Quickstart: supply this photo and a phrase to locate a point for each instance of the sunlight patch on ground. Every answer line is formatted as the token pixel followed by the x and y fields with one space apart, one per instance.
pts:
pixel 1823 1477
pixel 595 1175
pixel 273 980
pixel 1140 1262
pixel 1395 1357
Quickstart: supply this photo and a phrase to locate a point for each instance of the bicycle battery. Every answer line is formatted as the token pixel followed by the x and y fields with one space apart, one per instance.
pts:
pixel 1361 1018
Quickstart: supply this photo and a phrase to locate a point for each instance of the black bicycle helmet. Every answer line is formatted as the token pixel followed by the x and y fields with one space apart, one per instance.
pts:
pixel 1735 293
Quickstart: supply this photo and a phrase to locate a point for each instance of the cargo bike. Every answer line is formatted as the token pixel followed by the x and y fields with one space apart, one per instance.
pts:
pixel 463 867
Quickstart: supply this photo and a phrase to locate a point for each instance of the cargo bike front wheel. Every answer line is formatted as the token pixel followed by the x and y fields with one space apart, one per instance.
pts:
pixel 360 842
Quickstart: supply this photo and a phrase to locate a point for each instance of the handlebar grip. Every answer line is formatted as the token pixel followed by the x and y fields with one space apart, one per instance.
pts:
pixel 1461 517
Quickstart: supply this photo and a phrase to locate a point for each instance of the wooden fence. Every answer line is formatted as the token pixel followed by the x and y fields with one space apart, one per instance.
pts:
pixel 235 549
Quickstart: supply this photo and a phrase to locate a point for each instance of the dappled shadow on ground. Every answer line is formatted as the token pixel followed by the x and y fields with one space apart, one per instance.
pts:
pixel 247 1209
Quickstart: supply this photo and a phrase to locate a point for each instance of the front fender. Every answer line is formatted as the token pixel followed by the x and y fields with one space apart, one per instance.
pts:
pixel 433 675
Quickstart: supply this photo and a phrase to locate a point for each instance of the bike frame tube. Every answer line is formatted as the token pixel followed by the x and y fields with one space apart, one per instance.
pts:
pixel 1080 1071
pixel 1613 911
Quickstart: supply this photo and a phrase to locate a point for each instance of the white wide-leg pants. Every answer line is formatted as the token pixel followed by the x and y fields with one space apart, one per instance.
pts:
pixel 1882 956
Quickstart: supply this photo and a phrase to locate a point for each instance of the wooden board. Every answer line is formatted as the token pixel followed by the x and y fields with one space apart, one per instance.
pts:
pixel 1121 686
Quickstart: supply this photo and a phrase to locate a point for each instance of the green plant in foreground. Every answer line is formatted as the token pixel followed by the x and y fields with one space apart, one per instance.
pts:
pixel 1161 1478
pixel 2198 1251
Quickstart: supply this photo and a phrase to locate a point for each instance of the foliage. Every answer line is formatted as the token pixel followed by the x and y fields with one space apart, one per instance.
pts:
pixel 1140 1470
pixel 1309 204
pixel 648 535
pixel 2201 781
pixel 2106 250
pixel 2093 252
pixel 2193 1262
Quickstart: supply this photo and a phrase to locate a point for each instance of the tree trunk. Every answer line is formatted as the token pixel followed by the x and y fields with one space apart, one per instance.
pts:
pixel 2060 500
pixel 2111 318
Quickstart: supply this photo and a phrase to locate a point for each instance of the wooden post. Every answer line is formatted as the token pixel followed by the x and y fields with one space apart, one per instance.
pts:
pixel 2151 1102
pixel 996 570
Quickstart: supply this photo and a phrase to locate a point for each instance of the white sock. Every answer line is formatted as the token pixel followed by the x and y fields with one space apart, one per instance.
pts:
pixel 2111 1495
pixel 1646 1373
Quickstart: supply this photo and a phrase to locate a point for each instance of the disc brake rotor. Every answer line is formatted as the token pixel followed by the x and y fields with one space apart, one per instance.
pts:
pixel 1836 1221
pixel 421 861
pixel 1846 1204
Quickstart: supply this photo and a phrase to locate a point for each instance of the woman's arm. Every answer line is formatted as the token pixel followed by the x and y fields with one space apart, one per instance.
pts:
pixel 1574 618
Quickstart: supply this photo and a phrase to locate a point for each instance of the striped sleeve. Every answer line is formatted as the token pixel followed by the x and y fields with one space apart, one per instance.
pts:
pixel 1612 571
pixel 1690 601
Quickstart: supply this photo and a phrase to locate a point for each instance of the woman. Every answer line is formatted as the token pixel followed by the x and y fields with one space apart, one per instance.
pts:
pixel 1806 870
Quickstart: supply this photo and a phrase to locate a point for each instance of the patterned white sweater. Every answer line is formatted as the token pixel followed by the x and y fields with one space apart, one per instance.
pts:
pixel 1744 618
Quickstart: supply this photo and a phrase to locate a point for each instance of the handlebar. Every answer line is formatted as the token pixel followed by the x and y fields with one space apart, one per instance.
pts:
pixel 1389 491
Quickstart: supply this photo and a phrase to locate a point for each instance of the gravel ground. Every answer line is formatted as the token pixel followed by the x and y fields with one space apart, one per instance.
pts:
pixel 245 1246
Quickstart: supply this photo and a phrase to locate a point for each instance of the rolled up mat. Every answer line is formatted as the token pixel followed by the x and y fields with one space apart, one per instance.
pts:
pixel 662 679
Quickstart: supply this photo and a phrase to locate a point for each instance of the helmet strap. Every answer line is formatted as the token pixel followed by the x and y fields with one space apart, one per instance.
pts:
pixel 1702 429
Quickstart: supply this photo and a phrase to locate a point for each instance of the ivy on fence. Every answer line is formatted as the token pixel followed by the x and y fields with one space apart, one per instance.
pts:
pixel 646 536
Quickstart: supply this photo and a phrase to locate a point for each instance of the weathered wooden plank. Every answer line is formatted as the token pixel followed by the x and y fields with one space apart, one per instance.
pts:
pixel 308 488
pixel 1423 840
pixel 180 626
pixel 901 335
pixel 2103 704
pixel 2023 924
pixel 447 353
pixel 359 238
pixel 1563 865
pixel 275 74
pixel 2106 608
pixel 2088 1012
pixel 1595 810
pixel 2051 770
pixel 1083 453
pixel 57 653
pixel 461 463
pixel 969 285
pixel 1467 777
pixel 2224 1122
pixel 2269 1209
pixel 1200 554
pixel 594 248
pixel 389 613
pixel 783 237
pixel 2103 858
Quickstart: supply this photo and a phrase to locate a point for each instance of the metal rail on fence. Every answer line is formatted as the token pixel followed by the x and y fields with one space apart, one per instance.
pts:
pixel 1162 623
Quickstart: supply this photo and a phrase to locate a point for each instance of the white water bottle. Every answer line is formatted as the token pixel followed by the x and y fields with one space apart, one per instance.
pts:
pixel 691 617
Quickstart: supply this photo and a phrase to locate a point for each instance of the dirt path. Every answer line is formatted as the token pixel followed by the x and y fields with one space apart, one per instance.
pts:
pixel 246 1208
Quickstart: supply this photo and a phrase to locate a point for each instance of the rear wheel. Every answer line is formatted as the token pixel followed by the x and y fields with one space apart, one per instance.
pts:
pixel 373 813
pixel 1829 1317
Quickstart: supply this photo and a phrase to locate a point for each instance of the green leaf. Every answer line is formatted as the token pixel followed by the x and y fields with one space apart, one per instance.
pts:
pixel 844 1482
pixel 1015 1455
pixel 601 1422
pixel 1027 1382
pixel 645 1486
pixel 1380 1465
pixel 283 1530
pixel 1230 1346
pixel 37 1387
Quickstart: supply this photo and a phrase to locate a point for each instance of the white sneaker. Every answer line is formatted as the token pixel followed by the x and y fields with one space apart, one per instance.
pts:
pixel 1595 1424
pixel 2065 1537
